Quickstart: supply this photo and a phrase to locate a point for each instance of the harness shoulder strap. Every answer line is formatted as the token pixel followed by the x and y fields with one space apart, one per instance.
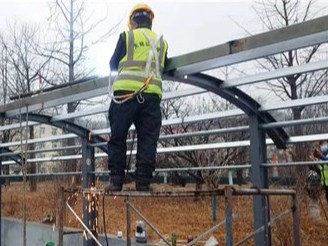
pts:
pixel 152 53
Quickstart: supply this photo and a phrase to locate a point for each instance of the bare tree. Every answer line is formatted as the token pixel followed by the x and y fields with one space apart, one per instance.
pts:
pixel 275 14
pixel 21 68
pixel 180 108
pixel 6 135
pixel 73 24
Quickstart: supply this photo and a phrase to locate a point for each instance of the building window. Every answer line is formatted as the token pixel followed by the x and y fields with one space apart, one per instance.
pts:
pixel 42 130
pixel 42 146
pixel 54 131
pixel 54 145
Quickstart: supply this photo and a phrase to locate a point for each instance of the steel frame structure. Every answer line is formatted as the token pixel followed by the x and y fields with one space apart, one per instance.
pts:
pixel 188 69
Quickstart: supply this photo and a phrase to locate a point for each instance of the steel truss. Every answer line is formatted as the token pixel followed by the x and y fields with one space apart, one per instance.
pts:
pixel 187 68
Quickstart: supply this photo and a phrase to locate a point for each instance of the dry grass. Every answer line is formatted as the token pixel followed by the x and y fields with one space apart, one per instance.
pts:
pixel 184 216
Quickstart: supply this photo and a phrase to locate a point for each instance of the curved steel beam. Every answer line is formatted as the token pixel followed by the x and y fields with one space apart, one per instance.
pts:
pixel 15 157
pixel 238 98
pixel 68 126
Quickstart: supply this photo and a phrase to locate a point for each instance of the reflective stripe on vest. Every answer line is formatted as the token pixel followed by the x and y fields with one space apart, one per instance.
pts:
pixel 138 64
pixel 138 78
pixel 145 65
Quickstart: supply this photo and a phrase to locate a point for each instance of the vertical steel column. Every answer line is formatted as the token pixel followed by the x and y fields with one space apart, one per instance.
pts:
pixel 296 222
pixel 89 199
pixel 214 208
pixel 259 174
pixel 128 222
pixel 60 221
pixel 228 214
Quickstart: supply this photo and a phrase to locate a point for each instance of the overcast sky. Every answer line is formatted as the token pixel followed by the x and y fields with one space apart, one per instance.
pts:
pixel 186 25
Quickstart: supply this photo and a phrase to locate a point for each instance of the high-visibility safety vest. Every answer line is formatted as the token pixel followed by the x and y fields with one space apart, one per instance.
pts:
pixel 145 57
pixel 324 174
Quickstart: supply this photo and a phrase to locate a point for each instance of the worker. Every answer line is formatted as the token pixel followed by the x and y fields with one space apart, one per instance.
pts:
pixel 322 153
pixel 136 90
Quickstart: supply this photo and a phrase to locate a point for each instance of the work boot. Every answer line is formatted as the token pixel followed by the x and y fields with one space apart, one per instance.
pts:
pixel 113 187
pixel 143 187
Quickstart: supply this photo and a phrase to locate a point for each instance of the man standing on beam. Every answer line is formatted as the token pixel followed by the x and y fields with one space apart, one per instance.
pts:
pixel 139 59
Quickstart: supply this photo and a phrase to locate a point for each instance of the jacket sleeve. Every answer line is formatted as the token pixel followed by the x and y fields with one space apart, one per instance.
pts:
pixel 318 154
pixel 119 52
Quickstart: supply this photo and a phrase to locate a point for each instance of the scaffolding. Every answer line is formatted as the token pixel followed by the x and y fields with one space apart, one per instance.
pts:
pixel 228 192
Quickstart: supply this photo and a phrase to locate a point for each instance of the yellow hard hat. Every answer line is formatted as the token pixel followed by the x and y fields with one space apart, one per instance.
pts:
pixel 139 7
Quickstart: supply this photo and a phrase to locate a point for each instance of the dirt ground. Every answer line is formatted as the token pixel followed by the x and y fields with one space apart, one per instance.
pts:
pixel 184 216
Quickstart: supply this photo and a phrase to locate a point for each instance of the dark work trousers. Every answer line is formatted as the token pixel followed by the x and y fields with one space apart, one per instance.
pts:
pixel 147 119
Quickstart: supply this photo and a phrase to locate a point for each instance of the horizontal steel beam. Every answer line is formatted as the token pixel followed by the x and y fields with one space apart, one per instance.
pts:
pixel 214 192
pixel 296 36
pixel 293 164
pixel 275 74
pixel 197 147
pixel 61 96
pixel 291 123
pixel 45 150
pixel 309 67
pixel 221 115
pixel 104 109
pixel 230 113
pixel 39 140
pixel 241 100
pixel 291 37
pixel 293 103
pixel 186 120
pixel 17 125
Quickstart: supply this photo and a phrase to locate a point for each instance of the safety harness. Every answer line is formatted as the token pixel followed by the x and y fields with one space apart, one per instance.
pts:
pixel 147 73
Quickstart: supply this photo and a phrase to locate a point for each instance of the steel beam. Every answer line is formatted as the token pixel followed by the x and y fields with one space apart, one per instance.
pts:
pixel 201 193
pixel 104 109
pixel 259 175
pixel 296 36
pixel 43 150
pixel 39 140
pixel 292 37
pixel 13 156
pixel 239 99
pixel 199 147
pixel 309 67
pixel 294 103
pixel 89 200
pixel 230 113
pixel 189 119
pixel 67 125
pixel 162 137
pixel 17 125
pixel 275 74
pixel 61 96
pixel 291 123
